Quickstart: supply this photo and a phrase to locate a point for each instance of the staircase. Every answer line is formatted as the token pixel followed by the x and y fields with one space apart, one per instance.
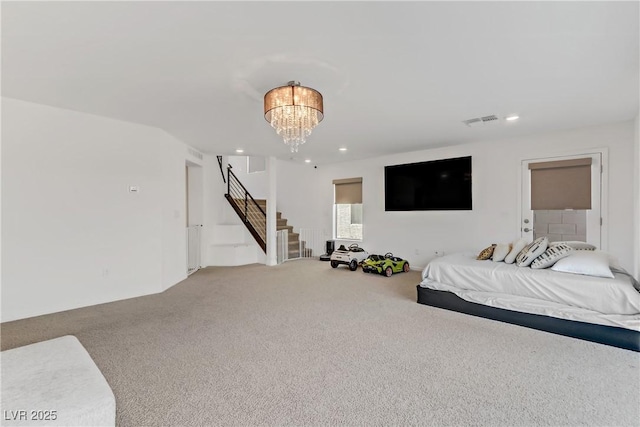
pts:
pixel 253 216
pixel 252 212
pixel 294 238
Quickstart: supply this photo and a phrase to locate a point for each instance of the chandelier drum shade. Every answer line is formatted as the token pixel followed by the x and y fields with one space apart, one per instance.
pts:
pixel 293 111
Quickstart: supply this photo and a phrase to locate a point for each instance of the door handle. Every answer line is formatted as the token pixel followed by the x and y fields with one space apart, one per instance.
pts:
pixel 526 230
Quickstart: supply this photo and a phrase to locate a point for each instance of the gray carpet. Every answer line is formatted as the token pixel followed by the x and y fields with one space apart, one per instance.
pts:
pixel 302 344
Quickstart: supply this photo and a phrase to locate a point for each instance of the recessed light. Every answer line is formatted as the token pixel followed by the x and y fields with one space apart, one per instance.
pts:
pixel 239 150
pixel 342 148
pixel 307 161
pixel 511 118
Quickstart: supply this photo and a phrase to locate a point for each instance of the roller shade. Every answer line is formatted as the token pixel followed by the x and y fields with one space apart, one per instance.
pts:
pixel 563 184
pixel 348 191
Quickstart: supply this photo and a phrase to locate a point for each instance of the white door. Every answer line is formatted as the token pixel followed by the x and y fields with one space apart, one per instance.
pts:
pixel 558 225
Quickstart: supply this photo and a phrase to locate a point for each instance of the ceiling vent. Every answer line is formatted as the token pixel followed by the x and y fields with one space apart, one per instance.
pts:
pixel 480 120
pixel 195 153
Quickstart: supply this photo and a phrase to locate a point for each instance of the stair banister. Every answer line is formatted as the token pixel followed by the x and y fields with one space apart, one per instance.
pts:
pixel 221 171
pixel 228 180
pixel 237 192
pixel 244 189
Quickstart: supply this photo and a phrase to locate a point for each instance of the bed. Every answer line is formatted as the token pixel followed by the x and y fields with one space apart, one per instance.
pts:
pixel 597 309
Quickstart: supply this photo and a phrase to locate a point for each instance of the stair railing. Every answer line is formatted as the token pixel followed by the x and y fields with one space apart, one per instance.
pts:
pixel 312 242
pixel 249 211
pixel 221 170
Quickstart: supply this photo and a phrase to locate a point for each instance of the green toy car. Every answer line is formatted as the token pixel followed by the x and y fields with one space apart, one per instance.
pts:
pixel 387 264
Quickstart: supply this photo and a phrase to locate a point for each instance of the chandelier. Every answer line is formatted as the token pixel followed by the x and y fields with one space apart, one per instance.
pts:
pixel 293 111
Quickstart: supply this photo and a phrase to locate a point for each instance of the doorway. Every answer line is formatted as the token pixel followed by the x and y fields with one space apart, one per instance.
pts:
pixel 194 216
pixel 562 198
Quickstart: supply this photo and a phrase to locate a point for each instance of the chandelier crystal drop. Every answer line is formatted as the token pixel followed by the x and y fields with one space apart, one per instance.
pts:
pixel 293 111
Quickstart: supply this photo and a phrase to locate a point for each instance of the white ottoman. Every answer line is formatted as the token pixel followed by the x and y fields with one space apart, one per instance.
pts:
pixel 54 383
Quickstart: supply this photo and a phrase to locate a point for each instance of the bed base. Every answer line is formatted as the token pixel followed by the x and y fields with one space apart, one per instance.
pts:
pixel 609 335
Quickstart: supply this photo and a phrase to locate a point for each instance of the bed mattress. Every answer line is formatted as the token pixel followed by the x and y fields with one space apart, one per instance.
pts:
pixel 603 301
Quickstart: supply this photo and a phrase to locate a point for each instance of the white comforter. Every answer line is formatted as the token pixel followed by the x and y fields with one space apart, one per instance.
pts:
pixel 564 295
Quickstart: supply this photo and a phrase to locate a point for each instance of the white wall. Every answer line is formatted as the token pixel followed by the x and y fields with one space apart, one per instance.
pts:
pixel 195 194
pixel 213 203
pixel 72 233
pixel 257 183
pixel 217 211
pixel 306 195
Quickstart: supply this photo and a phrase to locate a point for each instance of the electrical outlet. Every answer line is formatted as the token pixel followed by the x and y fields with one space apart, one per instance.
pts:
pixel 439 253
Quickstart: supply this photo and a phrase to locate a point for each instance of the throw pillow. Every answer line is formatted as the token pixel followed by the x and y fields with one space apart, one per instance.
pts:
pixel 516 247
pixel 589 263
pixel 552 255
pixel 486 253
pixel 501 251
pixel 532 251
pixel 577 245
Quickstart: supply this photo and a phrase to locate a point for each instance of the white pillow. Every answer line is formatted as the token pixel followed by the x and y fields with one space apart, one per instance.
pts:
pixel 501 251
pixel 589 263
pixel 553 254
pixel 577 245
pixel 517 246
pixel 532 251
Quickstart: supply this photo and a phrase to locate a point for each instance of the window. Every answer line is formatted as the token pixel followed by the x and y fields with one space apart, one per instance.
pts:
pixel 348 208
pixel 255 164
pixel 561 184
pixel 561 198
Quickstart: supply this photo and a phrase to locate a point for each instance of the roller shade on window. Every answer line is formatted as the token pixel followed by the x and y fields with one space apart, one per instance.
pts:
pixel 563 184
pixel 348 191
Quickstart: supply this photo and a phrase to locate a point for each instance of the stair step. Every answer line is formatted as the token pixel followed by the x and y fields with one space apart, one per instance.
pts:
pixel 250 205
pixel 263 204
pixel 295 244
pixel 295 253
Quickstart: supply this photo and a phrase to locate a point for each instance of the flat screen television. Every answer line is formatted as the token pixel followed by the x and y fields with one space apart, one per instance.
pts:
pixel 438 185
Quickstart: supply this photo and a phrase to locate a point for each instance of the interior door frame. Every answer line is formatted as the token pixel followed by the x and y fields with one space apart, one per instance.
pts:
pixel 194 214
pixel 524 188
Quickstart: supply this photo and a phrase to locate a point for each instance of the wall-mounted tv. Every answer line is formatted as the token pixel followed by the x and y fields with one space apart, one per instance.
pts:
pixel 438 185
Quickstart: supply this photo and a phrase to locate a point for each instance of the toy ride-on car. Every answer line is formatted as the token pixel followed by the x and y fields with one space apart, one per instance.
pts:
pixel 352 256
pixel 387 264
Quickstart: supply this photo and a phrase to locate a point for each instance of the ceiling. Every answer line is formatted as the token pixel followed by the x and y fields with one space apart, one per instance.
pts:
pixel 395 76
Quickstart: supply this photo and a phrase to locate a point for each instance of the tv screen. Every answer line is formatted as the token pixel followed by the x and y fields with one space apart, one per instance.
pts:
pixel 438 185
